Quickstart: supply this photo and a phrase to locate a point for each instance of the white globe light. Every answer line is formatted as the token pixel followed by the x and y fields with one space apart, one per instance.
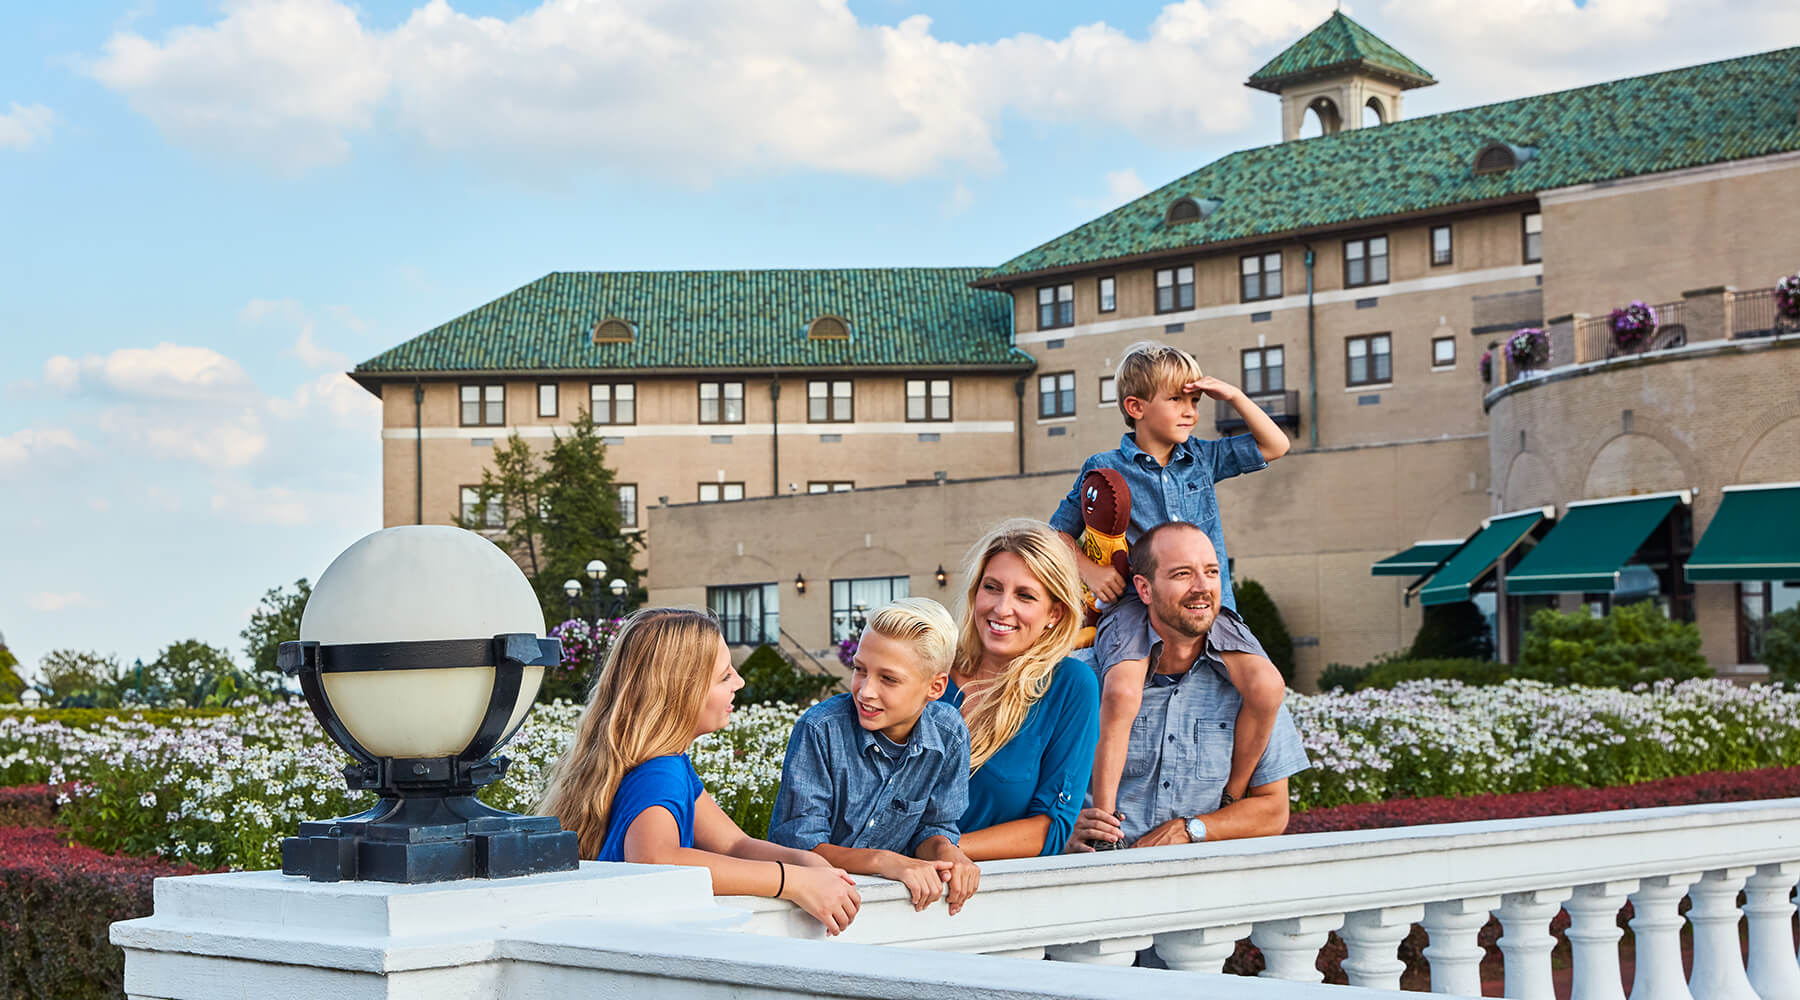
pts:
pixel 617 587
pixel 595 569
pixel 412 583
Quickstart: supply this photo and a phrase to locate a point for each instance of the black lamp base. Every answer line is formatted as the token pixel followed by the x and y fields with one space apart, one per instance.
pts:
pixel 429 838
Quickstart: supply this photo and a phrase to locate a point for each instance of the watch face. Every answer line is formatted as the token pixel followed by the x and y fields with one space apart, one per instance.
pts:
pixel 1196 831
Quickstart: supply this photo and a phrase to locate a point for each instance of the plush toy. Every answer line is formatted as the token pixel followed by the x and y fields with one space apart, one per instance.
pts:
pixel 1105 513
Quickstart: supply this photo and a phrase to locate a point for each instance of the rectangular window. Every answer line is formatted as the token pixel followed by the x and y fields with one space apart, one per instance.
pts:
pixel 483 405
pixel 471 499
pixel 1109 299
pixel 1109 389
pixel 1056 395
pixel 546 399
pixel 1056 306
pixel 927 399
pixel 1367 360
pixel 1264 370
pixel 721 402
pixel 1534 237
pixel 716 492
pixel 1756 602
pixel 1365 262
pixel 829 486
pixel 1443 351
pixel 1440 246
pixel 854 600
pixel 1259 276
pixel 748 614
pixel 828 401
pixel 613 402
pixel 627 504
pixel 1175 289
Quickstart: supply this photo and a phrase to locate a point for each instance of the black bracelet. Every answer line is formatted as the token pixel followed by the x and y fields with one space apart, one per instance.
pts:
pixel 783 885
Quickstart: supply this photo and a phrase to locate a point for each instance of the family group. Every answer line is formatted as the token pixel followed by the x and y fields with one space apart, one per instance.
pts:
pixel 966 741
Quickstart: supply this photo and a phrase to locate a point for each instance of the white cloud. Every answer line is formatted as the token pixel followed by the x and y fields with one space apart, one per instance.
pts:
pixel 1124 185
pixel 306 347
pixel 25 125
pixel 335 397
pixel 21 446
pixel 291 506
pixel 208 436
pixel 165 372
pixel 47 601
pixel 961 198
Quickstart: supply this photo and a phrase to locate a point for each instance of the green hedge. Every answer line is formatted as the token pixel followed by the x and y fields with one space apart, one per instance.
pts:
pixel 94 718
pixel 1384 674
pixel 1633 644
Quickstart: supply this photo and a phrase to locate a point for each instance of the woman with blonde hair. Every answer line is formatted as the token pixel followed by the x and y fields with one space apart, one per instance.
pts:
pixel 629 792
pixel 1033 712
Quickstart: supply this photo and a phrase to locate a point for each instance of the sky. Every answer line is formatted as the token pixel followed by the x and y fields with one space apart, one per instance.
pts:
pixel 209 211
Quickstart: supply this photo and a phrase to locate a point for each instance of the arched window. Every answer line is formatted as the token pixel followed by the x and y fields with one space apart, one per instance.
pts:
pixel 828 328
pixel 1321 118
pixel 1184 210
pixel 1373 113
pixel 1498 157
pixel 613 330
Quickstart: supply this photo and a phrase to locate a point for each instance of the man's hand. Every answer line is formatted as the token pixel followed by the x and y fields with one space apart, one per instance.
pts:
pixel 1213 387
pixel 1104 581
pixel 1162 835
pixel 964 878
pixel 923 879
pixel 1093 824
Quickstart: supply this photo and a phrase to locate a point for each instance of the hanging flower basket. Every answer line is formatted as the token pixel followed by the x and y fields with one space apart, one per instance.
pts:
pixel 1487 366
pixel 1787 297
pixel 1527 350
pixel 1633 325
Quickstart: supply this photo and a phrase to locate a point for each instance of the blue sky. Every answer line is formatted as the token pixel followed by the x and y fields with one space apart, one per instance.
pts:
pixel 208 211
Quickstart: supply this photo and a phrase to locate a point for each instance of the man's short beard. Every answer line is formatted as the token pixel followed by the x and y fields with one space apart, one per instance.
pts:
pixel 1181 622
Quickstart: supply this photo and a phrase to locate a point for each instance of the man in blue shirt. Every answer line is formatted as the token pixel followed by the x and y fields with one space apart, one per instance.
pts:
pixel 876 780
pixel 1179 753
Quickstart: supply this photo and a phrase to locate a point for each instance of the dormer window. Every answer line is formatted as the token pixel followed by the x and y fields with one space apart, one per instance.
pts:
pixel 613 330
pixel 1191 209
pixel 1499 157
pixel 828 328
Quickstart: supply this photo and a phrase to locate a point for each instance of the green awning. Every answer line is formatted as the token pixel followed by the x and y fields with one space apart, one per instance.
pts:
pixel 1584 551
pixel 1421 558
pixel 1754 536
pixel 1454 581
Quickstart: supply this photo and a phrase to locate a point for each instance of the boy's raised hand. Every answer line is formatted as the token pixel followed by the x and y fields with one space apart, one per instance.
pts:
pixel 1212 387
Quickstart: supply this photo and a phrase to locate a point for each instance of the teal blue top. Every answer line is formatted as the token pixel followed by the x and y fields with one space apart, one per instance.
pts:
pixel 1043 770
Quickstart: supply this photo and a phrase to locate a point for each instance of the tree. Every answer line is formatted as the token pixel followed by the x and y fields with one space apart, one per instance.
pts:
pixel 275 621
pixel 1456 631
pixel 562 510
pixel 1781 645
pixel 79 677
pixel 1259 612
pixel 187 672
pixel 11 684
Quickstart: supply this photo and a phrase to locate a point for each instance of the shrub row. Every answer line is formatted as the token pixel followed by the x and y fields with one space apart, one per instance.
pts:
pixel 28 805
pixel 56 903
pixel 1384 674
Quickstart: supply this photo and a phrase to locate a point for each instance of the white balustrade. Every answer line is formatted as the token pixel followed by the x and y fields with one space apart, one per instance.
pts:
pixel 1718 963
pixel 1372 939
pixel 1204 949
pixel 1291 947
pixel 1107 951
pixel 1453 926
pixel 1525 940
pixel 1773 971
pixel 1656 931
pixel 1594 935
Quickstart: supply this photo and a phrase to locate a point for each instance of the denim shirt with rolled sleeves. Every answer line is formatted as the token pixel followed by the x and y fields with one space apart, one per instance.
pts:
pixel 1179 491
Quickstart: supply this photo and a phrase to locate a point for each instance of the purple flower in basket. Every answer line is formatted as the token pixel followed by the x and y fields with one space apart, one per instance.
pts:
pixel 1527 349
pixel 1487 366
pixel 846 652
pixel 1633 325
pixel 1787 296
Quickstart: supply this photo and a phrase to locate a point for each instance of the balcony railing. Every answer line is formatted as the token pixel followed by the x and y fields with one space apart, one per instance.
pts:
pixel 1193 904
pixel 1283 407
pixel 1594 338
pixel 1754 314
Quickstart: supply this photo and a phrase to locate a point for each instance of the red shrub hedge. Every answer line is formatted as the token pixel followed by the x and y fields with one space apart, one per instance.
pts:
pixel 27 805
pixel 56 902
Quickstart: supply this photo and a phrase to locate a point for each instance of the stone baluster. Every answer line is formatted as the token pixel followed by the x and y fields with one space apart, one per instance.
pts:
pixel 1773 972
pixel 1107 951
pixel 1202 950
pixel 1656 928
pixel 1291 947
pixel 1526 941
pixel 1029 954
pixel 1454 953
pixel 1594 939
pixel 1718 961
pixel 1373 938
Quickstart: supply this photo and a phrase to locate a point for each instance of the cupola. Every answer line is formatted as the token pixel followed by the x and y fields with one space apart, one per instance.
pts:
pixel 1339 71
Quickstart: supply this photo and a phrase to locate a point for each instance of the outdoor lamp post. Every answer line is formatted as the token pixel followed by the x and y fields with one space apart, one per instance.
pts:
pixel 420 655
pixel 572 590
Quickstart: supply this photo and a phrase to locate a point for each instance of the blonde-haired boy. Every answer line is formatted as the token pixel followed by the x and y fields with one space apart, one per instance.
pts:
pixel 1171 475
pixel 876 781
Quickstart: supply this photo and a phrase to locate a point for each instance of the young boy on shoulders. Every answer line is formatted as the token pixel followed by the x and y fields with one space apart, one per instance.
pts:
pixel 1171 475
pixel 876 780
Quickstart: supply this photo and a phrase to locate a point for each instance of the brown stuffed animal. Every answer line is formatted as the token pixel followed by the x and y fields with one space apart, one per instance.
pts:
pixel 1105 513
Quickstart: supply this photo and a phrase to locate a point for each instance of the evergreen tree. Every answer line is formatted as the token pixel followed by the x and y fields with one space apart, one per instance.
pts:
pixel 275 621
pixel 1258 610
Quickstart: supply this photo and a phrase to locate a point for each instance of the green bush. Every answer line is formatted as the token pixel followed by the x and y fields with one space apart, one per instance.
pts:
pixel 1387 671
pixel 1781 645
pixel 1452 632
pixel 1343 677
pixel 1634 644
pixel 1259 612
pixel 770 676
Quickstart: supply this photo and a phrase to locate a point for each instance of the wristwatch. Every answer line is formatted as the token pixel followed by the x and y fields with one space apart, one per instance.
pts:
pixel 1196 831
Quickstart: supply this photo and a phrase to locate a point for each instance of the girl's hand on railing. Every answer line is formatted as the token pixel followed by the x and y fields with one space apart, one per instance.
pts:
pixel 827 893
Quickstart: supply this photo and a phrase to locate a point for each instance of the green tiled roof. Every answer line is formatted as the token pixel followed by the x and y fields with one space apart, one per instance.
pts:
pixel 723 319
pixel 1338 44
pixel 1714 113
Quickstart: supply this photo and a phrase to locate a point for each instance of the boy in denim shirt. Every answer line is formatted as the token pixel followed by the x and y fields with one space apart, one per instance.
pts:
pixel 1171 475
pixel 876 780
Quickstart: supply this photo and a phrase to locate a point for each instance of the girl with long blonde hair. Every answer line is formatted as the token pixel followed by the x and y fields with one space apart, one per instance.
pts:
pixel 628 790
pixel 1033 712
